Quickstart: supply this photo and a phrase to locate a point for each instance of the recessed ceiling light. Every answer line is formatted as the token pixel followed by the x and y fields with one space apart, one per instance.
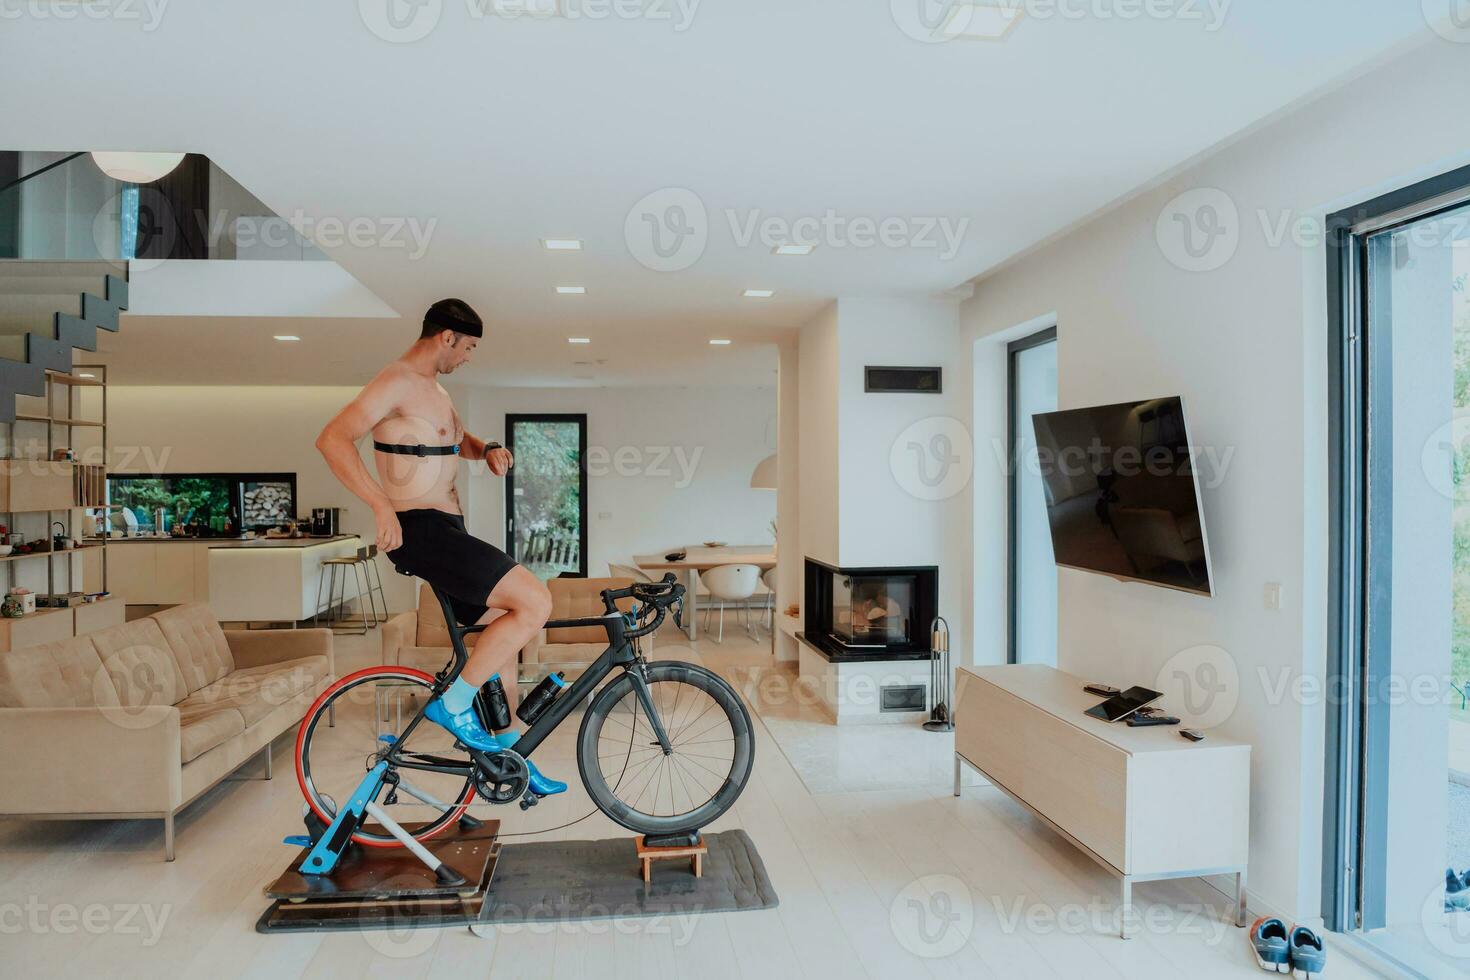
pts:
pixel 986 21
pixel 579 340
pixel 287 336
pixel 719 342
pixel 793 250
pixel 571 290
pixel 562 244
pixel 759 293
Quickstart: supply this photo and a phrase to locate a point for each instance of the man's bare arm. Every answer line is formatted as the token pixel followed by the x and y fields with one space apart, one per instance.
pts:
pixel 338 445
pixel 496 456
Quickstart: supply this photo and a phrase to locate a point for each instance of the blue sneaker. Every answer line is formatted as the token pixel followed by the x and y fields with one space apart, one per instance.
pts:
pixel 465 726
pixel 1269 942
pixel 1308 957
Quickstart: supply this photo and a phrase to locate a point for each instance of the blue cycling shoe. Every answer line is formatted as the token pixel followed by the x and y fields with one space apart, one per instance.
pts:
pixel 541 784
pixel 465 726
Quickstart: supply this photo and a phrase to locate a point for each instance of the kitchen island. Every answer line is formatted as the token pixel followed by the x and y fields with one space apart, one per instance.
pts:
pixel 271 579
pixel 275 580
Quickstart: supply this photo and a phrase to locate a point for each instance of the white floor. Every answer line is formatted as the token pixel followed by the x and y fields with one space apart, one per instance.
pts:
pixel 889 882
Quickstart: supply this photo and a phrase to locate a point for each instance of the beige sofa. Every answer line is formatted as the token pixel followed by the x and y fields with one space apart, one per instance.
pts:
pixel 420 639
pixel 140 719
pixel 574 598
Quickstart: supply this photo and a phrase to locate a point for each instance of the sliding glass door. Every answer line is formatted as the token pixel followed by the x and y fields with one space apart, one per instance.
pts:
pixel 1032 615
pixel 1398 824
pixel 546 494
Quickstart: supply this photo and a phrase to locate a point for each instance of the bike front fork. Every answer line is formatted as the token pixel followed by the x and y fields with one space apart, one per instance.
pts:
pixel 639 674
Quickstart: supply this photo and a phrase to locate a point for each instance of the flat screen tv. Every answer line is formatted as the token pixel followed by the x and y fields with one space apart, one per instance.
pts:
pixel 1122 496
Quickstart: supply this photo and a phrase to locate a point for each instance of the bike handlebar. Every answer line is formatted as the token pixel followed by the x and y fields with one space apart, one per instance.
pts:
pixel 658 595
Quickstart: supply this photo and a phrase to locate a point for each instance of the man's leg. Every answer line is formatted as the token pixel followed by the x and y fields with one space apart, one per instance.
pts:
pixel 519 606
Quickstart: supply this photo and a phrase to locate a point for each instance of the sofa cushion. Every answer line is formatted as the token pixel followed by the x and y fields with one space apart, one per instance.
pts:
pixel 431 629
pixel 197 643
pixel 202 730
pixel 255 692
pixel 137 658
pixel 579 598
pixel 64 674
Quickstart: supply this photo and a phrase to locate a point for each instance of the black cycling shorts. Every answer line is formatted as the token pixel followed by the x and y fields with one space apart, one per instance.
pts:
pixel 437 548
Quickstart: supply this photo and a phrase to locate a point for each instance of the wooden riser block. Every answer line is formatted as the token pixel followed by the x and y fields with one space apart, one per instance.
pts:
pixel 647 855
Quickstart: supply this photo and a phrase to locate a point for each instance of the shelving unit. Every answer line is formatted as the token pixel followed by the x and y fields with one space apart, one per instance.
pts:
pixel 80 482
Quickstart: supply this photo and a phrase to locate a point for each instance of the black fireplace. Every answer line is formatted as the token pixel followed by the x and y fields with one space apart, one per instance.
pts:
pixel 860 614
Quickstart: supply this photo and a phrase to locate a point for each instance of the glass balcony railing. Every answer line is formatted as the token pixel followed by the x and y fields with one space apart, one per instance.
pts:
pixel 61 205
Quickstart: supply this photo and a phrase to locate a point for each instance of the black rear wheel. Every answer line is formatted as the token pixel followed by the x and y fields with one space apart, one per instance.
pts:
pixel 631 778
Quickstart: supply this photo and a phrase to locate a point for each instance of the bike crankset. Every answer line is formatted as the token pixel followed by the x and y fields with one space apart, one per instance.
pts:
pixel 502 777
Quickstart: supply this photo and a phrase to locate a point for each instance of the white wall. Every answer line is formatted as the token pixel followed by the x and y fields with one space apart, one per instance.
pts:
pixel 1245 344
pixel 668 466
pixel 873 491
pixel 233 429
pixel 789 564
pixel 817 425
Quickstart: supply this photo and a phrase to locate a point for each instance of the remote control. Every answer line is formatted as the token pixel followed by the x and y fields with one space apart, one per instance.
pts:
pixel 1192 735
pixel 1101 690
pixel 1142 721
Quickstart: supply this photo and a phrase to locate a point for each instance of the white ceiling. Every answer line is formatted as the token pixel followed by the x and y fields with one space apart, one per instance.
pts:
pixel 504 131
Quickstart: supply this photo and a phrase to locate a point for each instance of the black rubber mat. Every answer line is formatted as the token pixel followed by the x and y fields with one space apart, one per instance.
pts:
pixel 598 879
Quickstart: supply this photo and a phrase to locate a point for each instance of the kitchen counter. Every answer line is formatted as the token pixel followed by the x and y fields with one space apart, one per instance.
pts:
pixel 306 542
pixel 276 580
pixel 169 570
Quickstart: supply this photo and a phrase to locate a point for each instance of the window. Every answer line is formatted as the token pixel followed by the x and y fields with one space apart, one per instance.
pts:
pixel 206 503
pixel 546 494
pixel 1398 807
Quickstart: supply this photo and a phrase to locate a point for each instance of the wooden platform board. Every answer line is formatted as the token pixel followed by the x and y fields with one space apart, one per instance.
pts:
pixel 393 872
pixel 417 911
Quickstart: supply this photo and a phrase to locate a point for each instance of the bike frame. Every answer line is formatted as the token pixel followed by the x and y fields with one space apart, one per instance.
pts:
pixel 619 653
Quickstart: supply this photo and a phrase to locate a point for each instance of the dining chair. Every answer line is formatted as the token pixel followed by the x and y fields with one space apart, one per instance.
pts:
pixel 730 584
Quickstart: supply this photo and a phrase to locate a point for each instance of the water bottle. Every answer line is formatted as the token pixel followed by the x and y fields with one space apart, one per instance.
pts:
pixel 536 703
pixel 490 704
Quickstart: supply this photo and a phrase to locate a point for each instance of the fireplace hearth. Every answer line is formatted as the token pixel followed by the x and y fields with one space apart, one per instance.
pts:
pixel 866 614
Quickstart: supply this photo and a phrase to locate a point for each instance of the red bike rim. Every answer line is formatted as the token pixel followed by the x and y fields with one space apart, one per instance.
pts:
pixel 460 805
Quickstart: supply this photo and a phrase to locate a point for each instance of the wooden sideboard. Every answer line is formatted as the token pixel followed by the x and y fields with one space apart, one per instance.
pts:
pixel 1144 803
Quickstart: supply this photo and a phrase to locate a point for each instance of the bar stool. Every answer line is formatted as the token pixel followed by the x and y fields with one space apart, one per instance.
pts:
pixel 375 582
pixel 336 611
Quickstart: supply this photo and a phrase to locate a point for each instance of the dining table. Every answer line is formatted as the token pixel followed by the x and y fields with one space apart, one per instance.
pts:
pixel 702 558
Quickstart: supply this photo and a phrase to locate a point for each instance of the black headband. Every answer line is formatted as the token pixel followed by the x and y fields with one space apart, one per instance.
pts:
pixel 446 321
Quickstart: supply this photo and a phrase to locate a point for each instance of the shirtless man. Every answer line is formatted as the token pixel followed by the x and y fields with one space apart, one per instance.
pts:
pixel 417 436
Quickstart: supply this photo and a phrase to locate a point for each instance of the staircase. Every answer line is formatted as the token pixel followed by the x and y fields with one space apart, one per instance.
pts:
pixel 47 308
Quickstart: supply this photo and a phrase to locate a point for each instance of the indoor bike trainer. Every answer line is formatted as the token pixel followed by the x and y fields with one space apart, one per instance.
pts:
pixel 358 859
